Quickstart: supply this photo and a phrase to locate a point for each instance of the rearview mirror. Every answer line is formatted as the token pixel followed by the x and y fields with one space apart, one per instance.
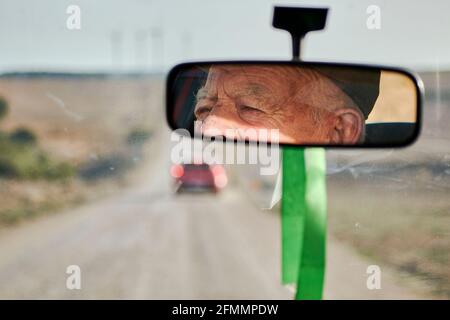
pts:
pixel 295 103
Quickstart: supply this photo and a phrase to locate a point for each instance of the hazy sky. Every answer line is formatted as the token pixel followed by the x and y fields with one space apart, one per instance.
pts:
pixel 139 34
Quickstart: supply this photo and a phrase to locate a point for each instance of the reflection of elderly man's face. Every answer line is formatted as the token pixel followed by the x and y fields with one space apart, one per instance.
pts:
pixel 304 105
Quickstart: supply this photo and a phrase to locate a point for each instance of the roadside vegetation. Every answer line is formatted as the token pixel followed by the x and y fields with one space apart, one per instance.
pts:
pixel 22 158
pixel 405 230
pixel 59 149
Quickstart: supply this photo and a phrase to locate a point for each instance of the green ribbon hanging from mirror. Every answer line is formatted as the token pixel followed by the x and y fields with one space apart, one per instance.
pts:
pixel 303 220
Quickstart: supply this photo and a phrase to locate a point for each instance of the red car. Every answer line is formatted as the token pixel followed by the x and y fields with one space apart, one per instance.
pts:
pixel 199 177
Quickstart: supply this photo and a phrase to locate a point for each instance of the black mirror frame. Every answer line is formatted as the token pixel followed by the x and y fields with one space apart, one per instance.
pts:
pixel 410 74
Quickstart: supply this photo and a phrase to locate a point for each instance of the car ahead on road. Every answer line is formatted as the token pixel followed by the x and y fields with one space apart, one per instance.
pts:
pixel 199 177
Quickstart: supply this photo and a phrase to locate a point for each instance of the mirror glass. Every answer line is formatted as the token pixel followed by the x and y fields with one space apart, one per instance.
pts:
pixel 295 103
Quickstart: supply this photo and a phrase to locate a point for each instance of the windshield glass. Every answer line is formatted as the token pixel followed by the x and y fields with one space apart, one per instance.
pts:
pixel 88 181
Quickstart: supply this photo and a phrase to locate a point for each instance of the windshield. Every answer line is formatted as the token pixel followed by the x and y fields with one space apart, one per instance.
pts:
pixel 87 177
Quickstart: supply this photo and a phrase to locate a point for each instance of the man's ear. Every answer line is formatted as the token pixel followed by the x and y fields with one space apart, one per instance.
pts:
pixel 348 126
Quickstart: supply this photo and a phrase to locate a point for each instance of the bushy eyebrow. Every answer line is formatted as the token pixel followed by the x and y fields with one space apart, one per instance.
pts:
pixel 202 93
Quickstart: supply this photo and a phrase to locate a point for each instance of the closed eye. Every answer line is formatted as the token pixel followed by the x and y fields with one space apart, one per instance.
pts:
pixel 202 112
pixel 246 108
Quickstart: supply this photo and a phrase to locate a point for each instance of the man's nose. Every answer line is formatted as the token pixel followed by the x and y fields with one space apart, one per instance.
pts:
pixel 214 125
pixel 220 119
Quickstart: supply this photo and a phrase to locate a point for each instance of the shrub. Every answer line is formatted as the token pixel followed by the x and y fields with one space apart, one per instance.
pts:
pixel 23 136
pixel 3 107
pixel 138 136
pixel 25 161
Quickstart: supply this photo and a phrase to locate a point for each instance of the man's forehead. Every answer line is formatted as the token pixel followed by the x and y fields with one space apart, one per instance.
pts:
pixel 264 73
pixel 304 84
pixel 247 81
pixel 249 69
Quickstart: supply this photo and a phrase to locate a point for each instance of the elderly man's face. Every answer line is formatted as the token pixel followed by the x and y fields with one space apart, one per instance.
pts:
pixel 300 103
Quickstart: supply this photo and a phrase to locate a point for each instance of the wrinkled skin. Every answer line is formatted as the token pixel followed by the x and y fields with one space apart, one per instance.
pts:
pixel 305 106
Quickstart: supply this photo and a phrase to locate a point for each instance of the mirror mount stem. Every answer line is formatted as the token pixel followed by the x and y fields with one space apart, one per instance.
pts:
pixel 298 22
pixel 296 47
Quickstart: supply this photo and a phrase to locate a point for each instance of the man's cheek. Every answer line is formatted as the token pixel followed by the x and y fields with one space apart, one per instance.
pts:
pixel 266 124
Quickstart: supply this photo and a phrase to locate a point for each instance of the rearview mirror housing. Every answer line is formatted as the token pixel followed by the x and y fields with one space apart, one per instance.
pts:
pixel 306 104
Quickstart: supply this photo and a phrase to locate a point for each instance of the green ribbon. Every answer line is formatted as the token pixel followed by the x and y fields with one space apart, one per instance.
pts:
pixel 304 220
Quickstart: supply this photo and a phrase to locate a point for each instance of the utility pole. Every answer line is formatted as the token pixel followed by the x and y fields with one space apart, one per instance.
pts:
pixel 141 54
pixel 186 43
pixel 116 47
pixel 157 47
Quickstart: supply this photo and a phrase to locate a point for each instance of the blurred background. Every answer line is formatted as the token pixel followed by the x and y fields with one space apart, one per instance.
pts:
pixel 86 177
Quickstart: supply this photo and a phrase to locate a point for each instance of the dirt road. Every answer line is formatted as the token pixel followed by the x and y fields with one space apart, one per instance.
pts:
pixel 149 243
